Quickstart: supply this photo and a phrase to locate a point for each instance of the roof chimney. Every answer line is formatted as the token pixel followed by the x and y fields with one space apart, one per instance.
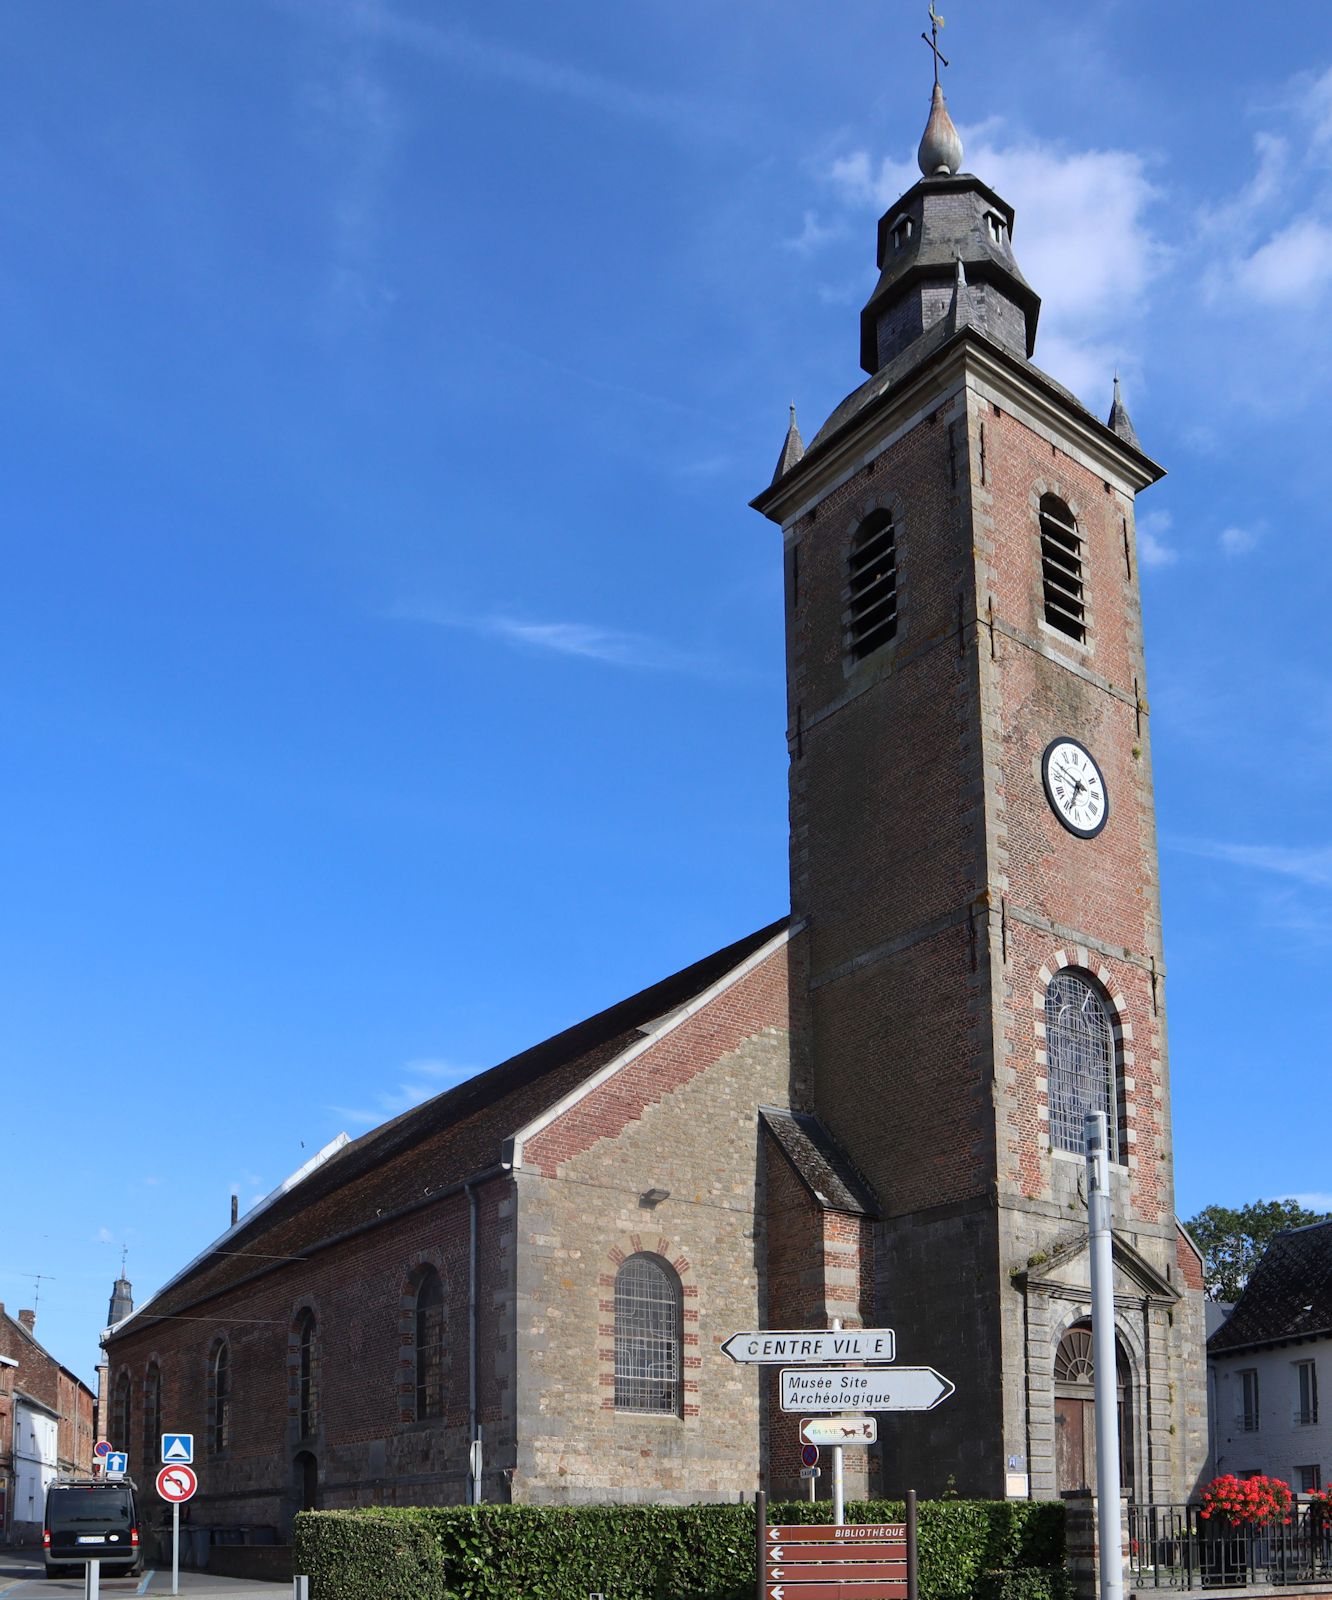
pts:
pixel 235 1209
pixel 28 1318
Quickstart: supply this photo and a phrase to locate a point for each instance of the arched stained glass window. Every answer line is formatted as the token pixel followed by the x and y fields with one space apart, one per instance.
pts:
pixel 221 1397
pixel 152 1416
pixel 1080 1046
pixel 429 1346
pixel 307 1374
pixel 647 1336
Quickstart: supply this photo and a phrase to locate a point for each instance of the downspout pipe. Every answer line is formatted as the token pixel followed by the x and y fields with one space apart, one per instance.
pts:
pixel 473 1340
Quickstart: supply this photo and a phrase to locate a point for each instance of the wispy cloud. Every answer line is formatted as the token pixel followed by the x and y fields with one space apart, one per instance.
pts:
pixel 1154 547
pixel 580 640
pixel 422 1080
pixel 813 233
pixel 1307 864
pixel 103 1236
pixel 1236 541
pixel 1314 1200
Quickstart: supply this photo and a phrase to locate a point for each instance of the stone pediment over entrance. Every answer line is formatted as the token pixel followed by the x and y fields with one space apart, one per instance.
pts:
pixel 1066 1271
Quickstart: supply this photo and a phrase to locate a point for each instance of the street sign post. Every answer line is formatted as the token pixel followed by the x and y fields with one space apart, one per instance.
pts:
pixel 829 1561
pixel 175 1484
pixel 830 1389
pixel 177 1449
pixel 839 1430
pixel 815 1345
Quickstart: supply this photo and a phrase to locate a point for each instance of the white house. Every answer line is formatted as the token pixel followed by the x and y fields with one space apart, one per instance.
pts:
pixel 1268 1362
pixel 36 1458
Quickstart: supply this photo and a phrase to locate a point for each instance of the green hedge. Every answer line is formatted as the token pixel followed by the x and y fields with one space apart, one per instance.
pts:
pixel 968 1548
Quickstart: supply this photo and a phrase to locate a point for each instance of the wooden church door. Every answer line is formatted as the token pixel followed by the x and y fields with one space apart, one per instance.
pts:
pixel 1075 1414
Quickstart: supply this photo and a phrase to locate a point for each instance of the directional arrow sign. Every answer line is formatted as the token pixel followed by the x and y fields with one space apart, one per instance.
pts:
pixel 836 1589
pixel 839 1430
pixel 832 1389
pixel 816 1345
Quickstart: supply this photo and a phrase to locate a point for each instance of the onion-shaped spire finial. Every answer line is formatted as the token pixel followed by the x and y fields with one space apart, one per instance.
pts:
pixel 940 152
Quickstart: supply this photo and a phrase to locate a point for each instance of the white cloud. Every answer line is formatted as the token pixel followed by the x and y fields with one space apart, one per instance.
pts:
pixel 1237 541
pixel 103 1236
pixel 1311 865
pixel 812 234
pixel 1293 267
pixel 425 1078
pixel 581 640
pixel 1315 1200
pixel 1154 550
pixel 1082 238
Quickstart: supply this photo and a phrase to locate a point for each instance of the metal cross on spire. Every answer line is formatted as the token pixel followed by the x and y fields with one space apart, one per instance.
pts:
pixel 932 39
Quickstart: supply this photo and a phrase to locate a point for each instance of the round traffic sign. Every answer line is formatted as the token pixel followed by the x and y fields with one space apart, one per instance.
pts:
pixel 101 1448
pixel 176 1483
pixel 809 1454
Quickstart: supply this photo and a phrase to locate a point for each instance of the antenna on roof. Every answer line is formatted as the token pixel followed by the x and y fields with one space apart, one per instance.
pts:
pixel 38 1278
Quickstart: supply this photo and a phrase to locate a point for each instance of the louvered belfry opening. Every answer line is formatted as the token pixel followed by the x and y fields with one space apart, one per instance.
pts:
pixel 873 586
pixel 1061 569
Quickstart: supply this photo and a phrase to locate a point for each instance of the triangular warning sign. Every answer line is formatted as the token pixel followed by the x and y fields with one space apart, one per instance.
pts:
pixel 177 1450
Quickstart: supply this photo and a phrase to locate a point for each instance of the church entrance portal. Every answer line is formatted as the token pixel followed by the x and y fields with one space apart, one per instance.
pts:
pixel 1075 1413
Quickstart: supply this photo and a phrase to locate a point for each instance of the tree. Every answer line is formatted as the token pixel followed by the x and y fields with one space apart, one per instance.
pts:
pixel 1232 1241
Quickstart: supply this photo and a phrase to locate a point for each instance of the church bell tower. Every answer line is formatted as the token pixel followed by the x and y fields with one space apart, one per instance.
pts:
pixel 978 956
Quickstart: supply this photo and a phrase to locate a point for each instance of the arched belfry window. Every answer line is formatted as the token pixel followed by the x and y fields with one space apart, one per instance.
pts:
pixel 1061 568
pixel 220 1397
pixel 429 1346
pixel 872 582
pixel 1082 1052
pixel 647 1336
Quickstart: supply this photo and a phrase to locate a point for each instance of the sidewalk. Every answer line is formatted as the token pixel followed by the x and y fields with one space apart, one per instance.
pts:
pixel 23 1577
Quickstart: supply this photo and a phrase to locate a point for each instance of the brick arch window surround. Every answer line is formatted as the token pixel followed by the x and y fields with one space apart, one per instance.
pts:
pixel 219 1396
pixel 428 1345
pixel 1084 1065
pixel 120 1413
pixel 872 585
pixel 152 1415
pixel 648 1335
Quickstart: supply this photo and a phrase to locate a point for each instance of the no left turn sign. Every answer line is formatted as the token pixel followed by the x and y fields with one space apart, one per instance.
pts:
pixel 176 1483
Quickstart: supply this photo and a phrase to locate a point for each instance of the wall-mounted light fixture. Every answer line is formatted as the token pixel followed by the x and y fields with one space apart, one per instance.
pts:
pixel 653 1197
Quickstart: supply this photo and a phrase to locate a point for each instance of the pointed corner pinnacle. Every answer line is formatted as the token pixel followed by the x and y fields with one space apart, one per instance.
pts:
pixel 959 312
pixel 940 152
pixel 793 448
pixel 1119 420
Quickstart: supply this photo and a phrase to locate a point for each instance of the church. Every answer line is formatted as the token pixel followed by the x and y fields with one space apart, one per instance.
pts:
pixel 869 1111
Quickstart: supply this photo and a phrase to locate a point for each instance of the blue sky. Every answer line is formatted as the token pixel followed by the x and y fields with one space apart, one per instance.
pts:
pixel 389 663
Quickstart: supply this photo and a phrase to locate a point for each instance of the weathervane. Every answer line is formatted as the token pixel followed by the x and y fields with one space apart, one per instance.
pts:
pixel 932 39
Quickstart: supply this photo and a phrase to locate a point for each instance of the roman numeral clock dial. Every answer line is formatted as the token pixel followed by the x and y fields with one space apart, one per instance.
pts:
pixel 1075 787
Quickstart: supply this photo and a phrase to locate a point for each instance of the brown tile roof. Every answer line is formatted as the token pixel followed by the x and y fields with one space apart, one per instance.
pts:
pixel 456 1136
pixel 1288 1295
pixel 819 1161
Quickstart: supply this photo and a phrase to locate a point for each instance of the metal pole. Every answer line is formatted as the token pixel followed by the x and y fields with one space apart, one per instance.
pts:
pixel 1096 1133
pixel 175 1547
pixel 838 1500
pixel 761 1525
pixel 912 1584
pixel 92 1580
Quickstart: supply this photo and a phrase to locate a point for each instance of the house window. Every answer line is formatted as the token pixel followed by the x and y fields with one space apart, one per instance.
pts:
pixel 1080 1048
pixel 221 1398
pixel 873 585
pixel 120 1413
pixel 307 1375
pixel 1061 569
pixel 1248 1401
pixel 429 1346
pixel 647 1337
pixel 1306 1394
pixel 901 232
pixel 1310 1478
pixel 152 1416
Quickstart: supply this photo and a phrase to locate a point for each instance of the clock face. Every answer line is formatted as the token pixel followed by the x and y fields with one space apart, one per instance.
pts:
pixel 1074 787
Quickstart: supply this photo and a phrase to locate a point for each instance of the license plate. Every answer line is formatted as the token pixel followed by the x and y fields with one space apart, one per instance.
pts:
pixel 90 1538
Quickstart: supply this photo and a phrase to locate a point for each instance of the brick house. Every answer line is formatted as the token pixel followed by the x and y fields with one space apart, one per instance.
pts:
pixel 869 1112
pixel 46 1426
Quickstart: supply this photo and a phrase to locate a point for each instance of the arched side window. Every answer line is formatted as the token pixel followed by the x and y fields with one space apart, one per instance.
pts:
pixel 872 583
pixel 429 1346
pixel 1083 1058
pixel 647 1336
pixel 152 1416
pixel 120 1413
pixel 219 1385
pixel 1061 569
pixel 1074 1414
pixel 307 1375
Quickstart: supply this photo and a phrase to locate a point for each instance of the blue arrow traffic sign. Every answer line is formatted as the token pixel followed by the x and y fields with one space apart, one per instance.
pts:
pixel 117 1463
